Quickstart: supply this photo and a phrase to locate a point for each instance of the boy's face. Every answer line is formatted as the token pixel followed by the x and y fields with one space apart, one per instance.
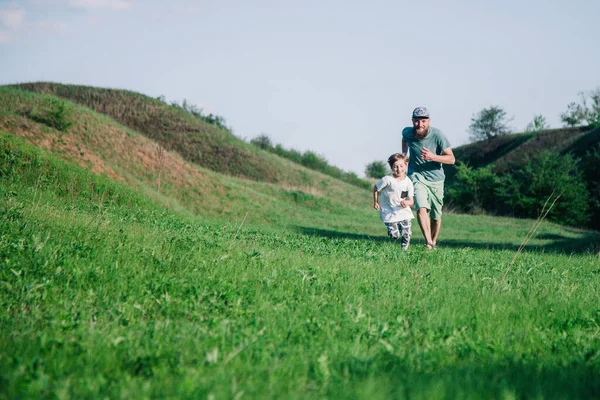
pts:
pixel 399 168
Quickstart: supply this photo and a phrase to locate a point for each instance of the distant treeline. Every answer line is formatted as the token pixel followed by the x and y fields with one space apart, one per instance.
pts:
pixel 212 119
pixel 310 160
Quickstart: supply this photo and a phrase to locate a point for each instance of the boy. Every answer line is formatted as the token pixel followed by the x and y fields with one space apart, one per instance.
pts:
pixel 397 193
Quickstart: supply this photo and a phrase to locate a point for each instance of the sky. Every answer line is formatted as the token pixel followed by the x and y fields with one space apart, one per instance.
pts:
pixel 339 78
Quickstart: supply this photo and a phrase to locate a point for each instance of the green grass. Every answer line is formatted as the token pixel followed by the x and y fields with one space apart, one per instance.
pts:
pixel 107 293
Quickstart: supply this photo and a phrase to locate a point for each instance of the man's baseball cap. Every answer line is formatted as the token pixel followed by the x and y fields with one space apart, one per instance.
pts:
pixel 420 113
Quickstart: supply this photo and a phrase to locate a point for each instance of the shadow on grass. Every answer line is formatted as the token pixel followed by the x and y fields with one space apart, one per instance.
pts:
pixel 588 242
pixel 484 379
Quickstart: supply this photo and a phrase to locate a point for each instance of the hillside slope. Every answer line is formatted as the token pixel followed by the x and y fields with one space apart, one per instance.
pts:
pixel 205 144
pixel 511 151
pixel 158 169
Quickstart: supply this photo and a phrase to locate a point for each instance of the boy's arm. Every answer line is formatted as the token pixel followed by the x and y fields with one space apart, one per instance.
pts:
pixel 375 198
pixel 409 200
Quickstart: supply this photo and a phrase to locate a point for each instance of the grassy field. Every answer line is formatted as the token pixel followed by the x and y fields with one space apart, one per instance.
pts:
pixel 110 292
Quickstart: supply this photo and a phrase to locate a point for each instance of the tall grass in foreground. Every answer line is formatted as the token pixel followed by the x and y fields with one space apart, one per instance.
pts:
pixel 105 294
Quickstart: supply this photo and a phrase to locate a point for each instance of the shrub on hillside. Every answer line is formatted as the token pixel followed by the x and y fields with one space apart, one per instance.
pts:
pixel 262 142
pixel 309 159
pixel 192 109
pixel 590 163
pixel 53 112
pixel 314 161
pixel 474 189
pixel 525 191
pixel 538 124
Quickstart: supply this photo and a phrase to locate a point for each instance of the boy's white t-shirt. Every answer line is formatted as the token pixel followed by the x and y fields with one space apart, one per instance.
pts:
pixel 391 192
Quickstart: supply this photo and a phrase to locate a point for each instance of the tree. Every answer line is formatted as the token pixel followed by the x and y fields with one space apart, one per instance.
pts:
pixel 376 170
pixel 587 112
pixel 538 124
pixel 488 123
pixel 262 141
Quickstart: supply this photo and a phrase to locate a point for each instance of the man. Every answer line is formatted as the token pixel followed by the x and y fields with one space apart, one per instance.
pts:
pixel 429 149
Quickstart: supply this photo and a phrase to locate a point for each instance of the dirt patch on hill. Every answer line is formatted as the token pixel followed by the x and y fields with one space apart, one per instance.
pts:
pixel 97 145
pixel 60 144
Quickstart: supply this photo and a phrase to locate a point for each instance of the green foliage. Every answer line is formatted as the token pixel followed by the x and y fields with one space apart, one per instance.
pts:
pixel 574 116
pixel 192 109
pixel 309 159
pixel 13 160
pixel 590 163
pixel 539 123
pixel 376 169
pixel 54 112
pixel 525 191
pixel 474 189
pixel 489 123
pixel 262 142
pixel 586 112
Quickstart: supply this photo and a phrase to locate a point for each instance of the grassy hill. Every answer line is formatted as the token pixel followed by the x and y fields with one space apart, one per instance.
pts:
pixel 512 151
pixel 218 183
pixel 128 271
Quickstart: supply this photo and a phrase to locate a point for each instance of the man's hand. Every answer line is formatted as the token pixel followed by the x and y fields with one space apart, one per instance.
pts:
pixel 427 154
pixel 376 206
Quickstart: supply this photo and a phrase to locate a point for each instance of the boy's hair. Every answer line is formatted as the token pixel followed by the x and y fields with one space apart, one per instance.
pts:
pixel 395 157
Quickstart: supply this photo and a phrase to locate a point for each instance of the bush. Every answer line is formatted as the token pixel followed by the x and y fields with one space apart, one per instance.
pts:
pixel 474 189
pixel 54 112
pixel 525 191
pixel 311 160
pixel 590 163
pixel 262 142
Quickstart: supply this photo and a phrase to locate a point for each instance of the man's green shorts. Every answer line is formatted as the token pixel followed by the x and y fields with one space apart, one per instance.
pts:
pixel 429 195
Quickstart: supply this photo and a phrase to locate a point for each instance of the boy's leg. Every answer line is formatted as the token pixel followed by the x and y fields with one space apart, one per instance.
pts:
pixel 405 233
pixel 393 229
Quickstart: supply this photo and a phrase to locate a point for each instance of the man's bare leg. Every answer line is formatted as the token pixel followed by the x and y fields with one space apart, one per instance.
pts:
pixel 436 224
pixel 424 223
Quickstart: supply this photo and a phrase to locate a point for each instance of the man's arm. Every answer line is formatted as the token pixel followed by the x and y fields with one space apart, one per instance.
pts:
pixel 375 198
pixel 447 156
pixel 404 147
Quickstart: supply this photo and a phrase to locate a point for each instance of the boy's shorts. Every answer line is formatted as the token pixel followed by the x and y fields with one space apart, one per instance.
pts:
pixel 400 230
pixel 429 195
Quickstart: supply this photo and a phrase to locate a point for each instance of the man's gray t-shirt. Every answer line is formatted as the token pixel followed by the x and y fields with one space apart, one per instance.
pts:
pixel 436 142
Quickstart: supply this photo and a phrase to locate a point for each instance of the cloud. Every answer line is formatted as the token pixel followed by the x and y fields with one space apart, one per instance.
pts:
pixel 102 4
pixel 12 16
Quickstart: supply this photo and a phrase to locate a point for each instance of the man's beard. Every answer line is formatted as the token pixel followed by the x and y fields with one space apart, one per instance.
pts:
pixel 420 133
